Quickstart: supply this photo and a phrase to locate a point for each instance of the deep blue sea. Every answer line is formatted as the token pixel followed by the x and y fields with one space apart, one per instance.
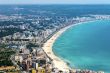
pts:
pixel 86 46
pixel 56 10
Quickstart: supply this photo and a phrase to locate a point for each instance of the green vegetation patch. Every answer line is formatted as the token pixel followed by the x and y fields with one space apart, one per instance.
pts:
pixel 5 54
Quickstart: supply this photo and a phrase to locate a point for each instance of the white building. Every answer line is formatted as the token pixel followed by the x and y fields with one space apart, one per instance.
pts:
pixel 18 58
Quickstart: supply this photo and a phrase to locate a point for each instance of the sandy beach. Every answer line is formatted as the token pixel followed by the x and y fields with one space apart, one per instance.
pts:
pixel 58 63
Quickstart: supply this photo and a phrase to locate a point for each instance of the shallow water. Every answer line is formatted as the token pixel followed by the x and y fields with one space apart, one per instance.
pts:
pixel 86 46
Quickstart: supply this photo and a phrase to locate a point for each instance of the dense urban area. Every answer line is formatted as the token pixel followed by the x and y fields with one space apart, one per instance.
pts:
pixel 24 30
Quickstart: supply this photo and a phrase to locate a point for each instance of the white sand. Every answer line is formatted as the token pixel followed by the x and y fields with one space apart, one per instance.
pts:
pixel 58 63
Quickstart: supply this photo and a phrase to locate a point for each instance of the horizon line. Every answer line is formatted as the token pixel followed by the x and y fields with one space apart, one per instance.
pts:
pixel 55 4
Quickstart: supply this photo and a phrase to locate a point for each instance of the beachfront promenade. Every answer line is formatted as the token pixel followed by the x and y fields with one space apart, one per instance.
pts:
pixel 57 62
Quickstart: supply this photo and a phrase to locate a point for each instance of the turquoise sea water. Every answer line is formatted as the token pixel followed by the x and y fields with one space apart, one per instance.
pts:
pixel 86 46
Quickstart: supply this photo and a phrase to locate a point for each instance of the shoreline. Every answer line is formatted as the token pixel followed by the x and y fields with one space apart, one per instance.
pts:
pixel 47 47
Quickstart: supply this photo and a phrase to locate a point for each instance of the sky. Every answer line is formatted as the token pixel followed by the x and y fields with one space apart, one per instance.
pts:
pixel 54 1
